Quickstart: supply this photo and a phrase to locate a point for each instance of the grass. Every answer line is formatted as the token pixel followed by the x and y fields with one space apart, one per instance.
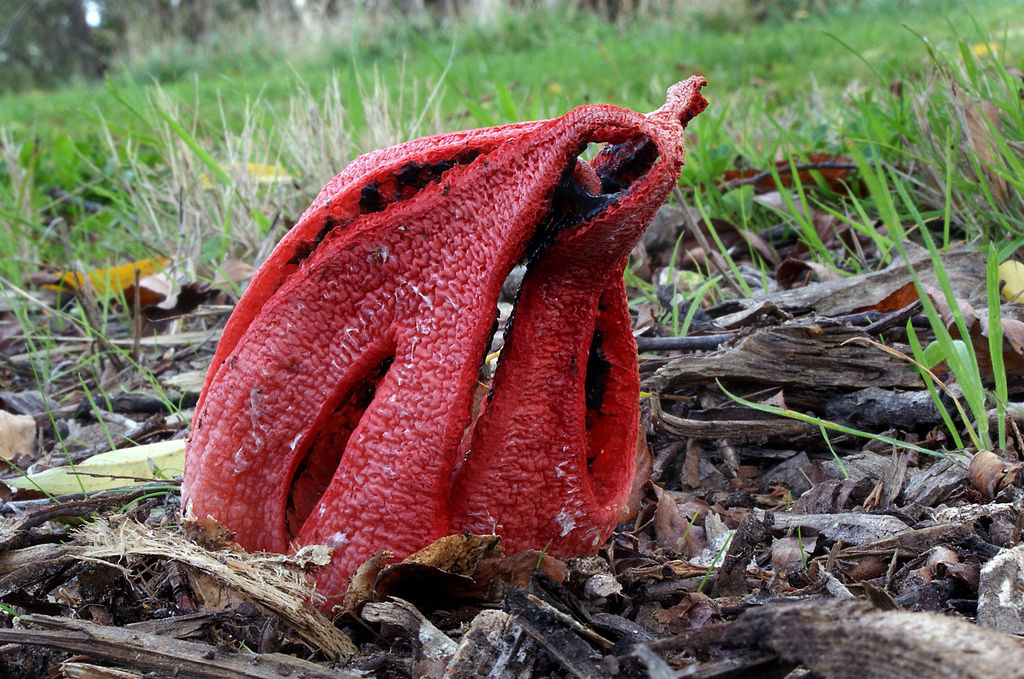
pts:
pixel 168 158
pixel 547 62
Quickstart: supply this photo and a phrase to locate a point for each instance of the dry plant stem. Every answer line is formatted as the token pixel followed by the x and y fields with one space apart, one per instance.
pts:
pixel 271 581
pixel 712 256
pixel 87 298
pixel 136 322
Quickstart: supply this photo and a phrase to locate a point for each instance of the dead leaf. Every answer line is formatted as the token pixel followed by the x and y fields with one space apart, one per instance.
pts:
pixel 981 124
pixel 990 474
pixel 17 436
pixel 235 271
pixel 209 534
pixel 1011 279
pixel 834 170
pixel 694 611
pixel 211 594
pixel 900 298
pixel 110 280
pixel 691 465
pixel 673 522
pixel 179 303
pixel 790 555
pixel 795 273
pixel 360 587
pixel 113 469
pixel 458 553
pixel 428 585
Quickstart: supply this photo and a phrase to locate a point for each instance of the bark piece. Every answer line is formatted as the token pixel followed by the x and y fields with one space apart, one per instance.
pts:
pixel 875 409
pixel 965 269
pixel 274 582
pixel 848 640
pixel 194 625
pixel 732 576
pixel 853 528
pixel 1001 592
pixel 554 634
pixel 19 558
pixel 432 648
pixel 800 354
pixel 931 486
pixel 791 474
pixel 81 670
pixel 493 646
pixel 753 426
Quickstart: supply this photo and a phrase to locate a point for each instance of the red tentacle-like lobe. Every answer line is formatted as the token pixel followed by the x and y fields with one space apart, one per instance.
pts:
pixel 552 454
pixel 343 384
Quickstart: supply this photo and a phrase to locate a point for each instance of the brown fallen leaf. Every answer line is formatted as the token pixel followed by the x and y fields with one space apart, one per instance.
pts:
pixel 235 271
pixel 17 436
pixel 467 567
pixel 989 473
pixel 644 470
pixel 981 124
pixel 795 273
pixel 179 303
pixel 360 587
pixel 900 298
pixel 458 553
pixel 209 533
pixel 835 170
pixel 790 555
pixel 694 611
pixel 671 525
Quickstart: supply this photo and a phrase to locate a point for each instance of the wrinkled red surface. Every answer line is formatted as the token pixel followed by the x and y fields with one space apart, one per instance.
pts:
pixel 340 395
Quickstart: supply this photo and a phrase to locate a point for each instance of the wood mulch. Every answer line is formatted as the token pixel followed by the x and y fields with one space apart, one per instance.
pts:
pixel 756 546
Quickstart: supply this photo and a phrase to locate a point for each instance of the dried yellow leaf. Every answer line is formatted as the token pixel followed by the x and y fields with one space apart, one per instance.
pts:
pixel 111 279
pixel 1011 278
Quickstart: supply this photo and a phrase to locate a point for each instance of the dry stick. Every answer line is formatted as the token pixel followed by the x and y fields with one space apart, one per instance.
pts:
pixel 804 167
pixel 703 242
pixel 87 300
pixel 136 322
pixel 10 537
pixel 688 343
pixel 133 648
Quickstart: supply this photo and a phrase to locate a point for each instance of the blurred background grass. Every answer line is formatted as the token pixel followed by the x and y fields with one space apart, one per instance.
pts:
pixel 548 58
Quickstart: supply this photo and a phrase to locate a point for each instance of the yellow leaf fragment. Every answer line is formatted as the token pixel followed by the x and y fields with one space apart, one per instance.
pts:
pixel 112 279
pixel 116 469
pixel 259 173
pixel 1011 276
pixel 983 49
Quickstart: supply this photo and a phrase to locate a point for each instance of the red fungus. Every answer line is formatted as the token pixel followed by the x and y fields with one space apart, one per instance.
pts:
pixel 341 391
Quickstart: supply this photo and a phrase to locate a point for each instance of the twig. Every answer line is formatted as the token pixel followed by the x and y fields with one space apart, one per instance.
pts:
pixel 704 245
pixel 689 343
pixel 803 167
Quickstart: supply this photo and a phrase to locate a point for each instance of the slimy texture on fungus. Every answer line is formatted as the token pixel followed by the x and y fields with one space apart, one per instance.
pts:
pixel 338 407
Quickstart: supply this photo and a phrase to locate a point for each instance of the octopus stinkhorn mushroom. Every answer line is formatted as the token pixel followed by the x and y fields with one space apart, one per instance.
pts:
pixel 338 409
